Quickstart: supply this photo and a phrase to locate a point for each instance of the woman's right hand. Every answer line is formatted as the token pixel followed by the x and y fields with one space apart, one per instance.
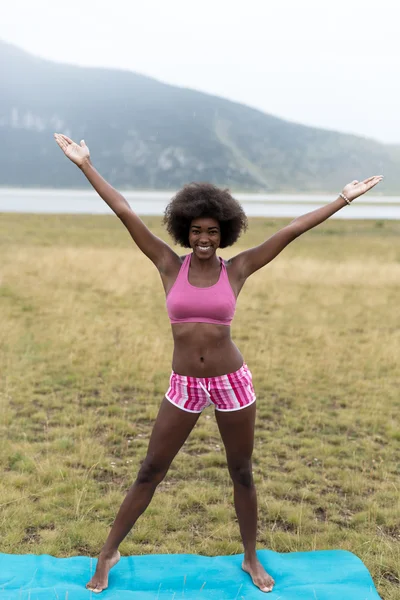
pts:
pixel 79 154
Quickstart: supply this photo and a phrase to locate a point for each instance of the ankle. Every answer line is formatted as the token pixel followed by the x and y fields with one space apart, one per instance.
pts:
pixel 108 552
pixel 250 557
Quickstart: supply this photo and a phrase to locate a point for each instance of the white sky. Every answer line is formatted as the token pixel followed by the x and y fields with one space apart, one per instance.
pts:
pixel 330 64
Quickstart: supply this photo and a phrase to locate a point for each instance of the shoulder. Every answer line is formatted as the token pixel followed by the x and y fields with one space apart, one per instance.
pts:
pixel 231 264
pixel 169 277
pixel 233 273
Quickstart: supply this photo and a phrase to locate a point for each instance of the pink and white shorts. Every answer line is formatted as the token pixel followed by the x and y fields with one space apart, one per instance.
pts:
pixel 226 392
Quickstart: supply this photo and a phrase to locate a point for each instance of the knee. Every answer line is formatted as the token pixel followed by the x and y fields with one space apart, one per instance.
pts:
pixel 242 474
pixel 151 472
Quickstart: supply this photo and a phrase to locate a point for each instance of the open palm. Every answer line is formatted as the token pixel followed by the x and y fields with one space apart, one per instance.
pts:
pixel 357 188
pixel 78 153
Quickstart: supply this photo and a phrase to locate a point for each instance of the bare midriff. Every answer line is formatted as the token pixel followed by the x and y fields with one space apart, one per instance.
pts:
pixel 204 350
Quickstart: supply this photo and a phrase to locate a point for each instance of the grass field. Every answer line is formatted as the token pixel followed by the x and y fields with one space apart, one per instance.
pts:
pixel 85 350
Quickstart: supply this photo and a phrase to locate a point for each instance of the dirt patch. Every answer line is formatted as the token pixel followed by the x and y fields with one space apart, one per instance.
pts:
pixel 320 514
pixel 31 535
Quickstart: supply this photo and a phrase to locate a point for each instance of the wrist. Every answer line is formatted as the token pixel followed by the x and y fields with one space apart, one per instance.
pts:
pixel 345 198
pixel 86 164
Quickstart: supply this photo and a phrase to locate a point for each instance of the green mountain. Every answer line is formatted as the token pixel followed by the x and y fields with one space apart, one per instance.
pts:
pixel 147 134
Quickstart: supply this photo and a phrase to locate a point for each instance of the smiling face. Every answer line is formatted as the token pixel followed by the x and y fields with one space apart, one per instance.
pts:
pixel 204 236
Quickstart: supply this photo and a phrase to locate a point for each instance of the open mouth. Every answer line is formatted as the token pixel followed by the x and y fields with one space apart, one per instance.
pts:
pixel 204 248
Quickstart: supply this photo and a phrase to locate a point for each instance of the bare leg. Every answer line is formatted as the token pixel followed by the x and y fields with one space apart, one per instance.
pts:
pixel 170 432
pixel 237 432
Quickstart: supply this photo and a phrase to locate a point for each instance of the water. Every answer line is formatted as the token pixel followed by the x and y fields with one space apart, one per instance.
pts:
pixel 154 203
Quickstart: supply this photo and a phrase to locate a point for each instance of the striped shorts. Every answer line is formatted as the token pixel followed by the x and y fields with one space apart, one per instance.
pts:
pixel 226 392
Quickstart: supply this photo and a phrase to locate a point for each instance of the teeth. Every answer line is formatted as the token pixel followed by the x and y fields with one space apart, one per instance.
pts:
pixel 204 247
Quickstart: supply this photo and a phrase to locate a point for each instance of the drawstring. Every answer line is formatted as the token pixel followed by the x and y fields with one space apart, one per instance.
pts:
pixel 206 390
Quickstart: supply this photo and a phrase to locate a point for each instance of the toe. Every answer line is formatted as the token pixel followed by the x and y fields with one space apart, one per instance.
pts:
pixel 265 588
pixel 266 585
pixel 94 588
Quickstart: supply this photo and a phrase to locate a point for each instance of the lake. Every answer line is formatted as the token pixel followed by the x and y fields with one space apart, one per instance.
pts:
pixel 153 203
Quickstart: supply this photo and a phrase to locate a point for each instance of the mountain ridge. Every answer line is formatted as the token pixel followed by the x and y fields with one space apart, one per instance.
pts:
pixel 148 134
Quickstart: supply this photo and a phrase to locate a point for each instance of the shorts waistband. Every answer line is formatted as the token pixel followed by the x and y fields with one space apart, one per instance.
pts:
pixel 205 380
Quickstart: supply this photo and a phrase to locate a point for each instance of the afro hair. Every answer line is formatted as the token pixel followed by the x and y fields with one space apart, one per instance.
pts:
pixel 204 200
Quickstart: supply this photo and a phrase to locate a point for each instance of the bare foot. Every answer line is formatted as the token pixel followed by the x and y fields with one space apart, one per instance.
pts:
pixel 99 581
pixel 259 575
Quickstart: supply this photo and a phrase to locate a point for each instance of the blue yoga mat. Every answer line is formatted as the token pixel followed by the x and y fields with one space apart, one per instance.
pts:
pixel 320 575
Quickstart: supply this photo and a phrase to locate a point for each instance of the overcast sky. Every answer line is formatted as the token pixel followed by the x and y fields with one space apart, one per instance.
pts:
pixel 330 64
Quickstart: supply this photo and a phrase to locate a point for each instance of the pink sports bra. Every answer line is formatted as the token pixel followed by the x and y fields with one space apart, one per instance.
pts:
pixel 187 303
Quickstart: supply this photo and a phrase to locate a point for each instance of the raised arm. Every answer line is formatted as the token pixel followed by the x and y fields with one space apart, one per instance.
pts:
pixel 249 261
pixel 156 249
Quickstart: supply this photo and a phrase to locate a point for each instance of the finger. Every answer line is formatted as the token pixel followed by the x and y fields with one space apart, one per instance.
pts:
pixel 58 142
pixel 372 184
pixel 61 141
pixel 66 138
pixel 355 182
pixel 378 177
pixel 63 145
pixel 83 143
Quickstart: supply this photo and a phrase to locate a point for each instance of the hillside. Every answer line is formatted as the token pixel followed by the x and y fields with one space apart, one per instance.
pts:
pixel 147 134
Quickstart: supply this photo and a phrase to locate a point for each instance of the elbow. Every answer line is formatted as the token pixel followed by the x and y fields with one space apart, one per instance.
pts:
pixel 122 211
pixel 294 230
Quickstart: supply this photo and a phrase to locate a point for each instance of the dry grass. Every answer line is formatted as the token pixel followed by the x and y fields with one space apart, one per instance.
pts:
pixel 85 355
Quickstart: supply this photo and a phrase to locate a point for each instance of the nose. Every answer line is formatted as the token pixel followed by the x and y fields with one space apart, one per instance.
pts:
pixel 204 239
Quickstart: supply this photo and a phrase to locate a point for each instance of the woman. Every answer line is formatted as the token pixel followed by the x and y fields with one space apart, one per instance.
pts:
pixel 208 368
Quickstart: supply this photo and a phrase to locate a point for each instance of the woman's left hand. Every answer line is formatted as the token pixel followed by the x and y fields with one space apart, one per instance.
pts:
pixel 357 188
